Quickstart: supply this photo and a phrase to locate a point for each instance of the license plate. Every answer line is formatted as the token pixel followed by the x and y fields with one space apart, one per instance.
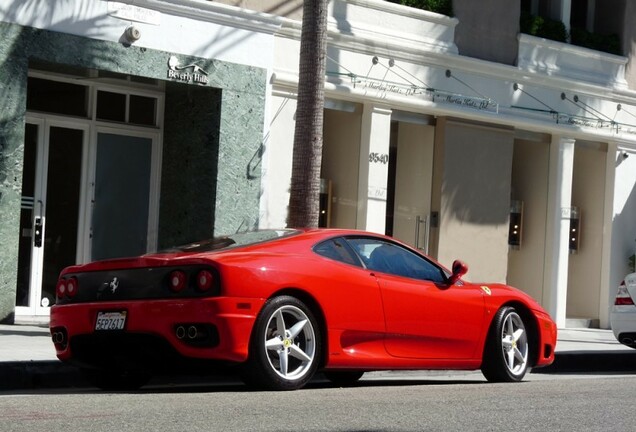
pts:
pixel 110 320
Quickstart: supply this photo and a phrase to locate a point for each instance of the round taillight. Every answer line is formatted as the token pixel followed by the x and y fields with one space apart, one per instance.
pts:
pixel 60 289
pixel 177 281
pixel 205 280
pixel 71 287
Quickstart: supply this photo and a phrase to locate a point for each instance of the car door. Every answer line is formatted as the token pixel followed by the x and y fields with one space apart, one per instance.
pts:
pixel 425 318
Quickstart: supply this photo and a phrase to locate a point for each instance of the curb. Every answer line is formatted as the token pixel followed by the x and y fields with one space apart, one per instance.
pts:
pixel 39 374
pixel 49 374
pixel 590 362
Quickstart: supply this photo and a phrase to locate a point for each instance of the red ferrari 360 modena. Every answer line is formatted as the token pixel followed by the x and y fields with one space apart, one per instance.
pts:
pixel 283 304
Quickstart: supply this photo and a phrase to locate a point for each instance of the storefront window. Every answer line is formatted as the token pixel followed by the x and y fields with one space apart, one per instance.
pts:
pixel 111 106
pixel 142 110
pixel 57 97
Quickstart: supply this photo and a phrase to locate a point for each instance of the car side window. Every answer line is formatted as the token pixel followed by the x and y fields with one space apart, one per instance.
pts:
pixel 337 249
pixel 387 257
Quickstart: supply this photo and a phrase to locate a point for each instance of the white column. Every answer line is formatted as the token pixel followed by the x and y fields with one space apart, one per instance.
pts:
pixel 606 293
pixel 562 10
pixel 558 227
pixel 374 168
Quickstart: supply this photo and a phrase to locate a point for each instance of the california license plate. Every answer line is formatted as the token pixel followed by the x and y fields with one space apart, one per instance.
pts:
pixel 110 320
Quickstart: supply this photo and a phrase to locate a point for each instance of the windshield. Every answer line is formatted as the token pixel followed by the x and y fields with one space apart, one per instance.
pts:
pixel 233 240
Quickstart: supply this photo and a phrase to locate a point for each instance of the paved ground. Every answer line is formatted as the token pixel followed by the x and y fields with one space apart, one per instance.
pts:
pixel 27 357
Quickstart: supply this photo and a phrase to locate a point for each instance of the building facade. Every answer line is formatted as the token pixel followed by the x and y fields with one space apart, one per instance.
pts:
pixel 444 132
pixel 123 129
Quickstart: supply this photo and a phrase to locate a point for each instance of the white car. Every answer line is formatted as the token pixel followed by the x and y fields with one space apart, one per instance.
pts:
pixel 623 316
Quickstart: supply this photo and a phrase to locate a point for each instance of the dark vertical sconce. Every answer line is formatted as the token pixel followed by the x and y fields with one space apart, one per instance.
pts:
pixel 575 229
pixel 516 224
pixel 324 218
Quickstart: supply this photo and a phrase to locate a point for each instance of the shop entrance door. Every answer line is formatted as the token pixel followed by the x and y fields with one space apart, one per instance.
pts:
pixel 123 179
pixel 412 153
pixel 50 211
pixel 87 195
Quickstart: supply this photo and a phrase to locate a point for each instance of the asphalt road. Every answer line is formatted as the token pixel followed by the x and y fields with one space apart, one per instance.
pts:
pixel 401 402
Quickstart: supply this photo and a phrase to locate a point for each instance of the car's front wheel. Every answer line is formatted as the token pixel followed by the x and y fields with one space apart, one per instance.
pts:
pixel 505 357
pixel 285 346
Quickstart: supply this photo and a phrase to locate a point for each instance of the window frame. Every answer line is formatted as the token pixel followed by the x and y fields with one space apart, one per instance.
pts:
pixel 362 261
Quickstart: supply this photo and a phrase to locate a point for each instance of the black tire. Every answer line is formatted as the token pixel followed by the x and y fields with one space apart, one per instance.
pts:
pixel 343 378
pixel 285 347
pixel 505 357
pixel 116 380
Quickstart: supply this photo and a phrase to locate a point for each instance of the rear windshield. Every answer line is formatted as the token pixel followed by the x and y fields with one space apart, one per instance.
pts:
pixel 234 240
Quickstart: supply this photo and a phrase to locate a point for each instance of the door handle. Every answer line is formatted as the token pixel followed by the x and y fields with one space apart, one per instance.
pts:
pixel 419 220
pixel 37 227
pixel 426 233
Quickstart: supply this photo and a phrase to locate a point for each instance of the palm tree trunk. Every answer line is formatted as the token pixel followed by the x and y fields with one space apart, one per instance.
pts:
pixel 307 154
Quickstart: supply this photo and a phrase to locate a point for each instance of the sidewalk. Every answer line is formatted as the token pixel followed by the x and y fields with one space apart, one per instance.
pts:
pixel 590 350
pixel 27 357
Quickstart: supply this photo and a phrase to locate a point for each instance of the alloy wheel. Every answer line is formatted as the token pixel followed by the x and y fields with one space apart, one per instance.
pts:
pixel 290 342
pixel 514 343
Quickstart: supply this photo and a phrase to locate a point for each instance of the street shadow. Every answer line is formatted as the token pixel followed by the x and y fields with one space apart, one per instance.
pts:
pixel 231 383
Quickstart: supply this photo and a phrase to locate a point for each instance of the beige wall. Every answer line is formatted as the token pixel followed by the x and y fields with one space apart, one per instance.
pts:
pixel 488 29
pixel 471 189
pixel 530 185
pixel 340 161
pixel 588 194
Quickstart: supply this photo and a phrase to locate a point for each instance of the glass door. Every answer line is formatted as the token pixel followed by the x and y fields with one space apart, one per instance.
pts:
pixel 412 184
pixel 33 148
pixel 90 181
pixel 49 219
pixel 123 203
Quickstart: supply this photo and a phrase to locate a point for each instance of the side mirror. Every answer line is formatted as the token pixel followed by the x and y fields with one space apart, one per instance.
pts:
pixel 459 270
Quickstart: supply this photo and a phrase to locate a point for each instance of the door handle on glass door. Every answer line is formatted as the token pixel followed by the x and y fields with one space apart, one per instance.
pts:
pixel 37 227
pixel 418 221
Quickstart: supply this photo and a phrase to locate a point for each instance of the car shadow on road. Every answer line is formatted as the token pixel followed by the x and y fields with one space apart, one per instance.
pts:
pixel 233 384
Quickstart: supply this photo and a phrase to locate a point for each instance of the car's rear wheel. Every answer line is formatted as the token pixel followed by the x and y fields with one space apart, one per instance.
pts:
pixel 343 378
pixel 285 347
pixel 505 356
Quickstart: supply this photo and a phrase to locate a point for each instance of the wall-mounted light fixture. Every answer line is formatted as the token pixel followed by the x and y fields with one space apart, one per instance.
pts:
pixel 324 218
pixel 516 224
pixel 575 230
pixel 132 34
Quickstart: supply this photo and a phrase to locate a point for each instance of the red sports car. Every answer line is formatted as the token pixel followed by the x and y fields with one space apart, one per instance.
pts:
pixel 283 304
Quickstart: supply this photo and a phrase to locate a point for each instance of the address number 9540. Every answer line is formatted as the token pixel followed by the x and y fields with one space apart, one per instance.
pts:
pixel 381 158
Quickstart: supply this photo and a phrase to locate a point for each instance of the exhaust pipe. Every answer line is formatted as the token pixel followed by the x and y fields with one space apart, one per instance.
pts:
pixel 59 338
pixel 627 341
pixel 195 334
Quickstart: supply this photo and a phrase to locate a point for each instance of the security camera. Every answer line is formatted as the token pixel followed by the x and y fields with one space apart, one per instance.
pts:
pixel 132 34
